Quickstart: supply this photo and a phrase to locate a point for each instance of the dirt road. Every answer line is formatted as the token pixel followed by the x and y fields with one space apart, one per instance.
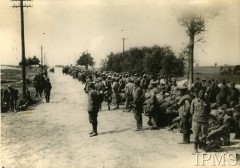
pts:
pixel 55 135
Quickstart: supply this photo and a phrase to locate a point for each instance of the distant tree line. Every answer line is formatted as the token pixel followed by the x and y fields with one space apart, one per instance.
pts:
pixel 154 60
pixel 31 61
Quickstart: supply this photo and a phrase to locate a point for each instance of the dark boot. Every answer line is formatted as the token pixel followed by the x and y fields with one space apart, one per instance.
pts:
pixel 188 138
pixel 92 129
pixel 195 147
pixel 204 144
pixel 95 133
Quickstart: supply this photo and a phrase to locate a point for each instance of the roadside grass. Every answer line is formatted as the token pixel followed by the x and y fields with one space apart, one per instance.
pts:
pixel 13 76
pixel 212 73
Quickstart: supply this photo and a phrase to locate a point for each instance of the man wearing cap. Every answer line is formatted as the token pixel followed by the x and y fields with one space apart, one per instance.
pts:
pixel 200 110
pixel 138 103
pixel 93 108
pixel 184 105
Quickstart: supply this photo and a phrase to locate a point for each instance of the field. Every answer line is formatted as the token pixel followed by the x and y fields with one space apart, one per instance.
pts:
pixel 12 75
pixel 213 73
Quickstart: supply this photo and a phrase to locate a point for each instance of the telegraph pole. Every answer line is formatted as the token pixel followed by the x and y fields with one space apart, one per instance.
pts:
pixel 21 6
pixel 124 68
pixel 87 60
pixel 42 59
pixel 123 45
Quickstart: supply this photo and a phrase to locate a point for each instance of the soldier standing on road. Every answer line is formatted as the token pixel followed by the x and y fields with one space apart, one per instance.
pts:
pixel 93 108
pixel 129 94
pixel 138 103
pixel 47 90
pixel 108 91
pixel 184 105
pixel 200 110
pixel 13 97
pixel 115 92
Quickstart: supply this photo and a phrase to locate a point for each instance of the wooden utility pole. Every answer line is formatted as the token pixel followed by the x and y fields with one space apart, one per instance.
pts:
pixel 42 59
pixel 123 45
pixel 21 6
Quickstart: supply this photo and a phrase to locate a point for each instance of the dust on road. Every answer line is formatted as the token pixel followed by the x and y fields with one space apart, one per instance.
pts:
pixel 55 135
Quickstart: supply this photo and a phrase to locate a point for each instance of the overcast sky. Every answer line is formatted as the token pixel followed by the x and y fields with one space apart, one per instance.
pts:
pixel 66 28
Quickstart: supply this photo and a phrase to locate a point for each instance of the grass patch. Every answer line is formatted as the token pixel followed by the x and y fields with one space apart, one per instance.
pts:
pixel 12 75
pixel 212 73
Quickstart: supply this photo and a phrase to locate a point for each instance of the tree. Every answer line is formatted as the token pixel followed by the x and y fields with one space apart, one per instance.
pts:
pixel 195 23
pixel 86 60
pixel 151 60
pixel 172 65
pixel 31 61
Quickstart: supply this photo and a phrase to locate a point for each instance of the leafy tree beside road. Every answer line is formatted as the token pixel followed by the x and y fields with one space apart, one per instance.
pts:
pixel 151 60
pixel 31 61
pixel 86 60
pixel 194 21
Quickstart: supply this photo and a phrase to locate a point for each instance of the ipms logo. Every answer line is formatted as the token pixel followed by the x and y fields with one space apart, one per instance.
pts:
pixel 217 159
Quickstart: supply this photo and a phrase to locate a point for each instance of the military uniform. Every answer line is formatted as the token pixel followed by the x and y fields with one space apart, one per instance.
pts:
pixel 115 94
pixel 93 108
pixel 200 110
pixel 138 104
pixel 223 94
pixel 185 115
pixel 13 97
pixel 108 92
pixel 151 107
pixel 47 90
pixel 129 93
pixel 99 86
pixel 233 95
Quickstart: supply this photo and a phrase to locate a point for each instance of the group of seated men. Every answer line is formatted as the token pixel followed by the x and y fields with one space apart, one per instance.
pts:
pixel 164 102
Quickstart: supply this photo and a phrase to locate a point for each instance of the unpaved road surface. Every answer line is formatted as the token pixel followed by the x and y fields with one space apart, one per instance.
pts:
pixel 55 135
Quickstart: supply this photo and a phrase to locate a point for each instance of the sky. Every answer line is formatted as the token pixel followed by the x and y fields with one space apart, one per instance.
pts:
pixel 65 29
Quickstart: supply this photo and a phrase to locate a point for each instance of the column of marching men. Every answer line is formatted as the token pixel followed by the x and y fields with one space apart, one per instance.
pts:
pixel 209 110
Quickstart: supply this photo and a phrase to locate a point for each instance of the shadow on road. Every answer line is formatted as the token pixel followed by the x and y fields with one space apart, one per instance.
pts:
pixel 115 131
